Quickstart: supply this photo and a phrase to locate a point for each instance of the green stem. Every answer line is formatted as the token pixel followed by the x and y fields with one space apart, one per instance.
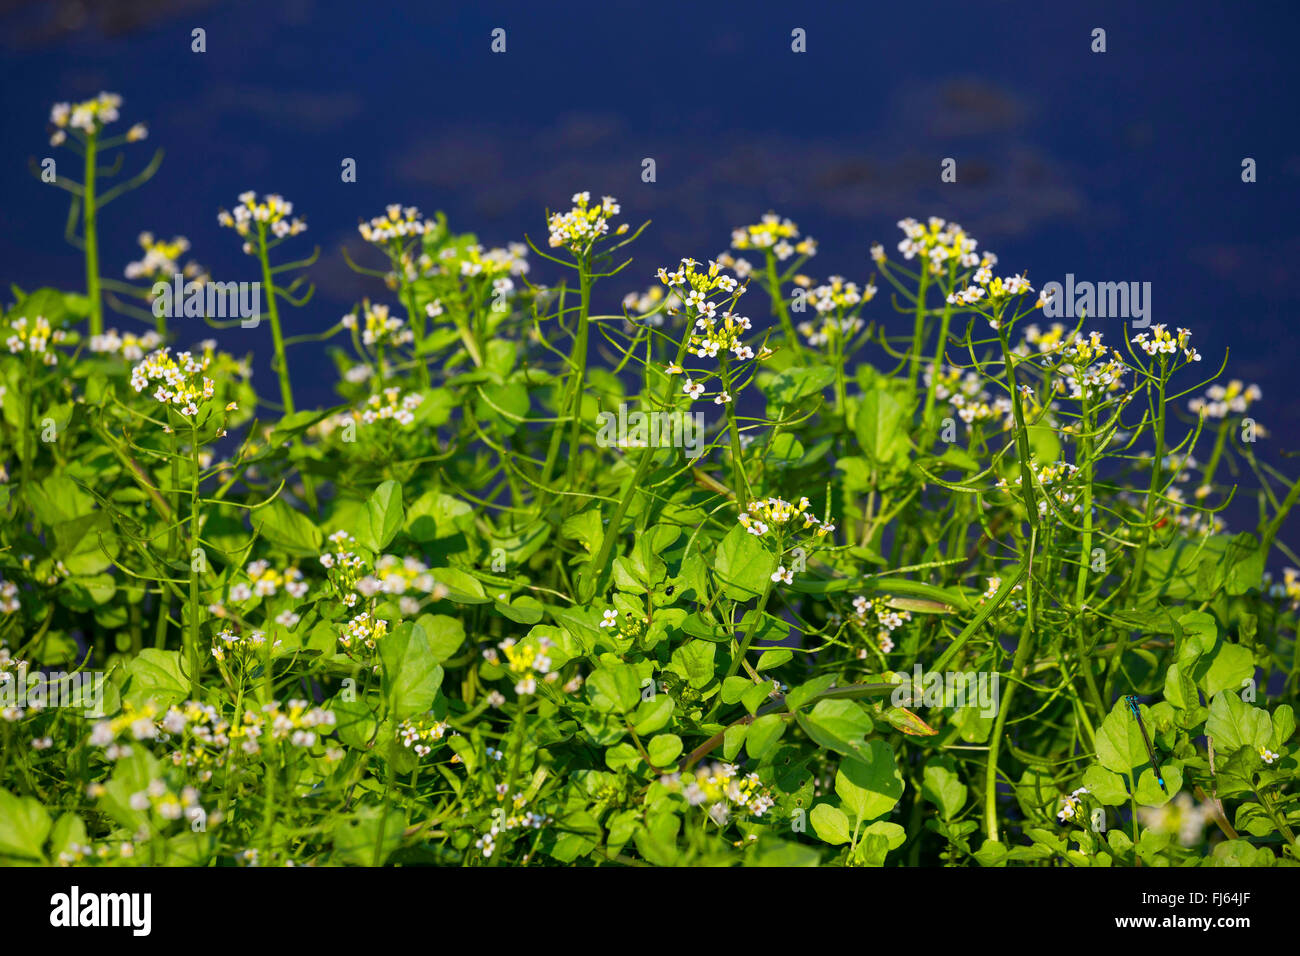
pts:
pixel 739 480
pixel 277 337
pixel 579 372
pixel 89 213
pixel 1019 668
pixel 779 307
pixel 600 568
pixel 1139 564
pixel 918 326
pixel 192 640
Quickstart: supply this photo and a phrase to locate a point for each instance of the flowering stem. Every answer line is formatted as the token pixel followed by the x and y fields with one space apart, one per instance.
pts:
pixel 739 480
pixel 25 448
pixel 1139 564
pixel 1085 554
pixel 277 337
pixel 1022 433
pixel 749 634
pixel 939 353
pixel 197 560
pixel 579 370
pixel 600 568
pixel 778 306
pixel 92 239
pixel 417 326
pixel 282 365
pixel 1019 666
pixel 918 327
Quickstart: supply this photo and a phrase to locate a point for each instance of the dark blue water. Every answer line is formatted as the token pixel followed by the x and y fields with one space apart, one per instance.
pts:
pixel 1122 166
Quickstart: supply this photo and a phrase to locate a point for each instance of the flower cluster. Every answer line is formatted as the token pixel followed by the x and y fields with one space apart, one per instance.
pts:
pixel 1160 342
pixel 380 327
pixel 529 820
pixel 653 300
pixel 180 379
pixel 497 264
pixel 965 393
pixel 130 346
pixel 772 232
pixel 836 302
pixel 526 662
pixel 90 117
pixel 766 514
pixel 159 798
pixel 161 260
pixel 1054 479
pixel 273 212
pixel 942 242
pixel 398 223
pixel 9 604
pixel 344 567
pixel 628 625
pixel 34 338
pixel 1288 588
pixel 264 580
pixel 1070 805
pixel 419 732
pixel 1086 367
pixel 577 229
pixel 720 787
pixel 131 722
pixel 1220 401
pixel 240 646
pixel 388 405
pixel 876 613
pixel 362 631
pixel 399 576
pixel 1182 815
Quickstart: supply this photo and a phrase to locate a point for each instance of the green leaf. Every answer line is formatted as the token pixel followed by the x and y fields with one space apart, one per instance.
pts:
pixel 872 785
pixel 744 566
pixel 412 675
pixel 796 383
pixel 694 662
pixel 881 427
pixel 24 825
pixel 357 836
pixel 462 588
pixel 772 659
pixel 586 528
pixel 155 675
pixel 838 725
pixel 384 516
pixel 444 634
pixel 1230 666
pixel 830 824
pixel 280 524
pixel 664 749
pixel 1107 787
pixel 614 688
pixel 764 733
pixel 653 714
pixel 1234 724
pixel 943 787
pixel 1119 741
